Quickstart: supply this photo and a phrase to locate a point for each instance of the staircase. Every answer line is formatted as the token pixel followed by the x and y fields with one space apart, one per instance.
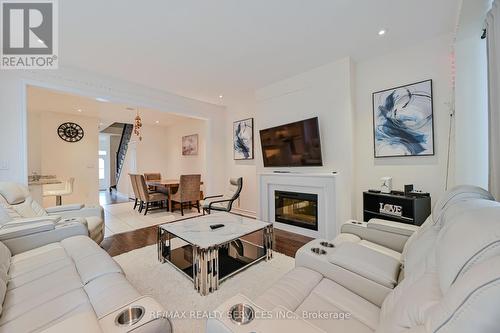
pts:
pixel 122 151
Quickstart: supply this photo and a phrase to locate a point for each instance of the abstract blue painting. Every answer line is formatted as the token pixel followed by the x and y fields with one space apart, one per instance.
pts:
pixel 403 121
pixel 243 139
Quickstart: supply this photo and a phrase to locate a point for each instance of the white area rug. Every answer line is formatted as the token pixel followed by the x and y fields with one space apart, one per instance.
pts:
pixel 176 292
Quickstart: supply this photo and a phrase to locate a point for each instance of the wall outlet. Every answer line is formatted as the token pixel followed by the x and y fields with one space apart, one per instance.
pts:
pixel 4 165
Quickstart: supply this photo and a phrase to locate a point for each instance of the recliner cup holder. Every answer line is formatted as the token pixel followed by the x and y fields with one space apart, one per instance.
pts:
pixel 241 314
pixel 130 316
pixel 317 250
pixel 327 244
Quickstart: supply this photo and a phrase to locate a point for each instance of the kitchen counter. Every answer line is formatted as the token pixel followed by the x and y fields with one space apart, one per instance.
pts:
pixel 43 180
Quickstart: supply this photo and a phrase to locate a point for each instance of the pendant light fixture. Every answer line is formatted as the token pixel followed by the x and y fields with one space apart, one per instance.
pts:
pixel 138 125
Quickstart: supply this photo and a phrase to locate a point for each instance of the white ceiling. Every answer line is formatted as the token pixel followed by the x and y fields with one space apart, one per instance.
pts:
pixel 45 100
pixel 204 48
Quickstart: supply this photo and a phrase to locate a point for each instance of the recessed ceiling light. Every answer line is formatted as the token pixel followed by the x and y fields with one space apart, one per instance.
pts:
pixel 157 122
pixel 220 96
pixel 101 99
pixel 381 32
pixel 100 124
pixel 79 110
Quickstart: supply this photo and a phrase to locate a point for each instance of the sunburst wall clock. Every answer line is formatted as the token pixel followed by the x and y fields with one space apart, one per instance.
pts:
pixel 70 132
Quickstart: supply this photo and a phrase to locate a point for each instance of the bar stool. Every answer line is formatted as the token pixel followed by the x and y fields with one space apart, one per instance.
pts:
pixel 59 191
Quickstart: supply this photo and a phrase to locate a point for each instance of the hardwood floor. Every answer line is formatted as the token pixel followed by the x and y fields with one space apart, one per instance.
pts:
pixel 285 242
pixel 128 241
pixel 288 243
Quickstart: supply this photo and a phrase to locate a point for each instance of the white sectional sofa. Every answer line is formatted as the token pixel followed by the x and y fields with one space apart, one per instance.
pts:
pixel 25 224
pixel 69 286
pixel 443 278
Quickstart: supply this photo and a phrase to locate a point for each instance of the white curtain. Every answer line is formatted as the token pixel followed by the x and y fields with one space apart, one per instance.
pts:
pixel 493 33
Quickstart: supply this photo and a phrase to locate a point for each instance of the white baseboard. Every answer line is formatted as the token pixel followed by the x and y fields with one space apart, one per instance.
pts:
pixel 245 212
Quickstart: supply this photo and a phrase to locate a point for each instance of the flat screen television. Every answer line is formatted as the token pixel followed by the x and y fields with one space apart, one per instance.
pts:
pixel 292 145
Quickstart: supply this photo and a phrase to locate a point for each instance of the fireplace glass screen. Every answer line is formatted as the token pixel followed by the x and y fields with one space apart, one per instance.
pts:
pixel 298 209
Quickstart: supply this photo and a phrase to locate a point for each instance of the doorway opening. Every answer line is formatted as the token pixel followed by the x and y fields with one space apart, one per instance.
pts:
pixel 105 150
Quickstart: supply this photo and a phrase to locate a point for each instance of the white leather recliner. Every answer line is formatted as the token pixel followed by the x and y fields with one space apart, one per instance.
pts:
pixel 57 223
pixel 71 286
pixel 391 238
pixel 446 279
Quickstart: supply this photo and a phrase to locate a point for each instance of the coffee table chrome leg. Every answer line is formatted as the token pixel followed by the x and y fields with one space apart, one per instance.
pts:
pixel 215 270
pixel 209 270
pixel 158 244
pixel 201 271
pixel 205 270
pixel 196 268
pixel 268 242
pixel 161 244
pixel 169 247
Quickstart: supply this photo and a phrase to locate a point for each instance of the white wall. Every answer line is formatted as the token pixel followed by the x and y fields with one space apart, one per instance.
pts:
pixel 35 142
pixel 13 153
pixel 152 152
pixel 471 98
pixel 13 134
pixel 49 155
pixel 340 94
pixel 471 113
pixel 429 60
pixel 243 108
pixel 161 151
pixel 176 163
pixel 324 92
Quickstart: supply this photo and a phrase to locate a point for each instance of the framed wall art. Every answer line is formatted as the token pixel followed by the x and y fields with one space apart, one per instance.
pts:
pixel 243 139
pixel 403 122
pixel 190 145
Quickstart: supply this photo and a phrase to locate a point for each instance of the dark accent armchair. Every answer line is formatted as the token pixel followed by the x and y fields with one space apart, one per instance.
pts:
pixel 224 202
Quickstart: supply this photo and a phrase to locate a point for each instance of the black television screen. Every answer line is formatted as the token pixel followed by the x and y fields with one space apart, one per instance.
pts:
pixel 294 144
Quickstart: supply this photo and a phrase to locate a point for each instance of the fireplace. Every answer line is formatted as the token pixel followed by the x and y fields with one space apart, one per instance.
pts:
pixel 297 209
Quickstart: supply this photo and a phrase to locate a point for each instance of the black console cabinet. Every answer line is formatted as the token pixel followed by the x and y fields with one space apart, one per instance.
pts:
pixel 396 207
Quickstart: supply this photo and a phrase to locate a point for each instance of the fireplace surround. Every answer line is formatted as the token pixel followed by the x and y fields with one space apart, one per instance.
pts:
pixel 323 185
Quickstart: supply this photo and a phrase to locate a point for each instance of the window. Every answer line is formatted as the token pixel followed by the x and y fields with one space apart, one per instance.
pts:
pixel 102 163
pixel 101 168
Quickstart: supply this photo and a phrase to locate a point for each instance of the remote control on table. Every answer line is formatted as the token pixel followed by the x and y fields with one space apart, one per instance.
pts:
pixel 216 226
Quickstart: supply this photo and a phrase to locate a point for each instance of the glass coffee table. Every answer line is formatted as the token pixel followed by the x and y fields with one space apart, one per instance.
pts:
pixel 209 256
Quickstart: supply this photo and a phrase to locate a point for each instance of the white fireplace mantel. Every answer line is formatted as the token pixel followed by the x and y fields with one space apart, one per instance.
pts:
pixel 322 184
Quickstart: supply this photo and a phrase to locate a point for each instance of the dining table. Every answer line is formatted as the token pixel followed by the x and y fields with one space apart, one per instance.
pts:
pixel 170 185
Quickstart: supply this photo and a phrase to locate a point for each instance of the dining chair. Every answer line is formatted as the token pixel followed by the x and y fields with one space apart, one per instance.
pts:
pixel 188 192
pixel 148 198
pixel 224 202
pixel 135 189
pixel 152 176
